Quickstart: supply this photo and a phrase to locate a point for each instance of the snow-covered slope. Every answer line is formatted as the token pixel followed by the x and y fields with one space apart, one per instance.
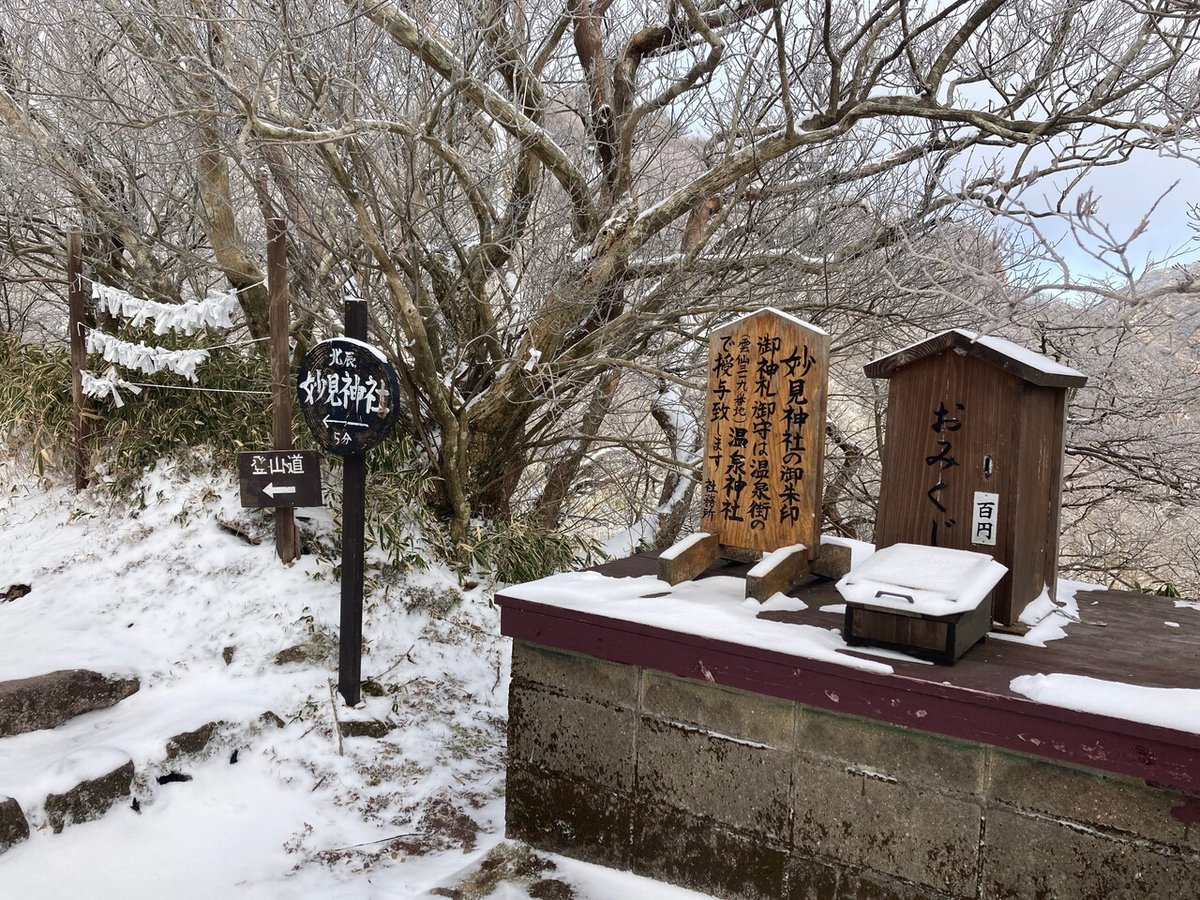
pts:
pixel 152 586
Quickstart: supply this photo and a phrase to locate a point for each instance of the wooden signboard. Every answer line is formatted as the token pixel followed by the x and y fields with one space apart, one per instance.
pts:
pixel 348 393
pixel 279 478
pixel 973 456
pixel 765 443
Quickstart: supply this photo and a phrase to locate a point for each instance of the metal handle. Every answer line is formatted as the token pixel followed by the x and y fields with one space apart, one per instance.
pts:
pixel 895 594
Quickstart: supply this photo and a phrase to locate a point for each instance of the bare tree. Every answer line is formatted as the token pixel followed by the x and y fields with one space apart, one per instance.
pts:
pixel 550 205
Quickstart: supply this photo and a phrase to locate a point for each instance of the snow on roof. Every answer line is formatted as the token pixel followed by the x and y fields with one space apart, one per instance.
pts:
pixel 1021 361
pixel 341 339
pixel 1023 355
pixel 771 309
pixel 932 581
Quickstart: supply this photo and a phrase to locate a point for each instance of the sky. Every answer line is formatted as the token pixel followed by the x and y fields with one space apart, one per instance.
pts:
pixel 1125 195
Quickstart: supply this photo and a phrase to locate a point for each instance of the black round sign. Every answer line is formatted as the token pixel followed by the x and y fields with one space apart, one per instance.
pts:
pixel 348 394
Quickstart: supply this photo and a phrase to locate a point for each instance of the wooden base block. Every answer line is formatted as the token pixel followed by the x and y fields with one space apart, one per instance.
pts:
pixel 832 562
pixel 1019 629
pixel 686 559
pixel 779 571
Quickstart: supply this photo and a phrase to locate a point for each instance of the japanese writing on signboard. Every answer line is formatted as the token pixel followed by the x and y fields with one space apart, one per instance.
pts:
pixel 348 394
pixel 277 464
pixel 765 437
pixel 983 518
pixel 947 421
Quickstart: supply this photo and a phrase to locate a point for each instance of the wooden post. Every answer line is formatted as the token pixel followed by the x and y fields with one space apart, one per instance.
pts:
pixel 81 408
pixel 286 543
pixel 354 491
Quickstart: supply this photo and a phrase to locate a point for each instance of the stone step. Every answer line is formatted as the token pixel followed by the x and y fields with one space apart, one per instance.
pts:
pixel 47 701
pixel 13 827
pixel 103 778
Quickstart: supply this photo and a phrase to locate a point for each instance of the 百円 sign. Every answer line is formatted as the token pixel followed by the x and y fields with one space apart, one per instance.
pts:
pixel 765 443
pixel 348 393
pixel 280 478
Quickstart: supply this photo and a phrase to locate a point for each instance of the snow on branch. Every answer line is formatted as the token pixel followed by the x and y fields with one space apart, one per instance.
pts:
pixel 145 358
pixel 212 312
pixel 106 385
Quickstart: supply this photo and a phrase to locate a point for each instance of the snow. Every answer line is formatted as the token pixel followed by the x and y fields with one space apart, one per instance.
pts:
pixel 680 547
pixel 1187 604
pixel 1048 620
pixel 859 550
pixel 1177 708
pixel 771 309
pixel 1026 356
pixel 626 543
pixel 937 581
pixel 767 564
pixel 714 608
pixel 371 348
pixel 1015 352
pixel 151 586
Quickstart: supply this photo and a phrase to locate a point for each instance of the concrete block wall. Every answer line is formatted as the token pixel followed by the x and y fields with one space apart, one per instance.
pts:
pixel 746 796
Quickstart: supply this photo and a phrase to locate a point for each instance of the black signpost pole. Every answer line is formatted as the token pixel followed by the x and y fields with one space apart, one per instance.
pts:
pixel 354 491
pixel 347 391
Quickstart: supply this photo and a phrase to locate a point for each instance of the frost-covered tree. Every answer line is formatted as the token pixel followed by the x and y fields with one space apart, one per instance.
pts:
pixel 550 204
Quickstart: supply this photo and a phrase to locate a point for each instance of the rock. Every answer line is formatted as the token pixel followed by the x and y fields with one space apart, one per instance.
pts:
pixel 551 889
pixel 227 654
pixel 46 701
pixel 371 728
pixel 13 827
pixel 14 592
pixel 173 777
pixel 296 654
pixel 320 649
pixel 90 799
pixel 441 817
pixel 189 743
pixel 269 719
pixel 373 688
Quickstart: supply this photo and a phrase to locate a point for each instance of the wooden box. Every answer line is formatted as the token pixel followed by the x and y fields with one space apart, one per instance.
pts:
pixel 973 456
pixel 939 638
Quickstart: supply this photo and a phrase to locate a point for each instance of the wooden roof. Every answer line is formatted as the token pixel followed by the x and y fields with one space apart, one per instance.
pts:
pixel 1012 358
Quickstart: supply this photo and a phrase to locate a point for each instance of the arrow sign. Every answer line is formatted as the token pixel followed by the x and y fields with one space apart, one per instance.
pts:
pixel 280 478
pixel 328 421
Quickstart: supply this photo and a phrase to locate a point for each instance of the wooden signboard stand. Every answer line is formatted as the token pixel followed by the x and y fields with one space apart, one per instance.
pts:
pixel 764 454
pixel 287 542
pixel 82 415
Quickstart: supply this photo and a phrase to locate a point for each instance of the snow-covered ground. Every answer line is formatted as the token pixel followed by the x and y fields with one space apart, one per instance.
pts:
pixel 152 586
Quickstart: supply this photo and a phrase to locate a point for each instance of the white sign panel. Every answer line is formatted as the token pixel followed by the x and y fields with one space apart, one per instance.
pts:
pixel 984 516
